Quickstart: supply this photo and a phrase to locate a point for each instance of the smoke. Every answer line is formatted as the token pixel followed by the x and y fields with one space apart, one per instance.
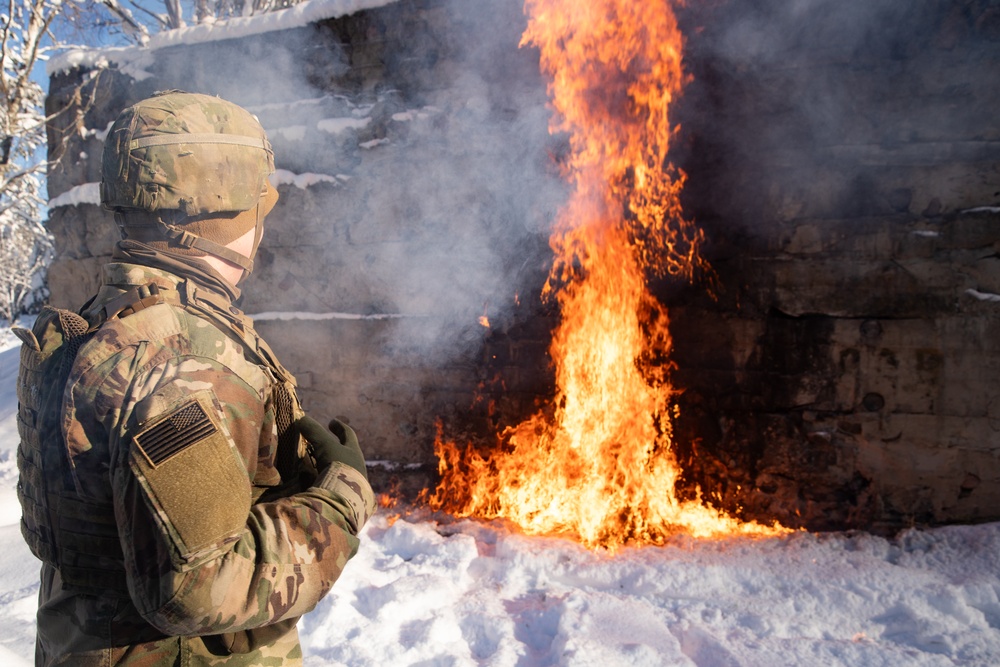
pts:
pixel 417 137
pixel 466 188
pixel 796 105
pixel 421 177
pixel 783 33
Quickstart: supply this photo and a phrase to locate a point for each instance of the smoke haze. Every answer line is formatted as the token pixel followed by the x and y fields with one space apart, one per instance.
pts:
pixel 797 107
pixel 427 130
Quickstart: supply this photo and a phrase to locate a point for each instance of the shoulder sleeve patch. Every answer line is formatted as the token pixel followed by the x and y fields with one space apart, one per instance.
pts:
pixel 186 427
pixel 193 476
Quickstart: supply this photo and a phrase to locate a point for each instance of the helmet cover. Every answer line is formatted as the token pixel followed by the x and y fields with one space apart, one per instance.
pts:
pixel 189 152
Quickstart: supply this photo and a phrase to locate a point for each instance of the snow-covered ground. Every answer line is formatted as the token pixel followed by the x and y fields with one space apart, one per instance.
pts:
pixel 436 592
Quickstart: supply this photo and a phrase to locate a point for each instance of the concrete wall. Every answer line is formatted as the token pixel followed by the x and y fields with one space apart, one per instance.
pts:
pixel 838 366
pixel 845 161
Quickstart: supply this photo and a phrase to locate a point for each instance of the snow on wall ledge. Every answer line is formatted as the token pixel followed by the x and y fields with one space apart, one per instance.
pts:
pixel 131 59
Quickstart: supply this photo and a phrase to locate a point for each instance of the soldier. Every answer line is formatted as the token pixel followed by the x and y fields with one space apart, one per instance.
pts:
pixel 185 510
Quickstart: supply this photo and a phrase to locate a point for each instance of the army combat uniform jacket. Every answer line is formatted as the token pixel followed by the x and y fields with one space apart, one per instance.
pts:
pixel 174 526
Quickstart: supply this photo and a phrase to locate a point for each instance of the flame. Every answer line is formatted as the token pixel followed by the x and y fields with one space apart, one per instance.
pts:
pixel 598 464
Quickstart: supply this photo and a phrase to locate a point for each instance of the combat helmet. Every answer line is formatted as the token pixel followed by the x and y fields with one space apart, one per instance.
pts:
pixel 188 173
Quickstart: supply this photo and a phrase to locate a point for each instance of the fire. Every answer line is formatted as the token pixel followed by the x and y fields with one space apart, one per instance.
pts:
pixel 598 463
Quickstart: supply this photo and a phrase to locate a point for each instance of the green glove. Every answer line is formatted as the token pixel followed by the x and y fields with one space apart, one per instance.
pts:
pixel 339 443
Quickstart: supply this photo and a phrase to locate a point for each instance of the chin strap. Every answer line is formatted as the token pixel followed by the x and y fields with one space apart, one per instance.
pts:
pixel 186 239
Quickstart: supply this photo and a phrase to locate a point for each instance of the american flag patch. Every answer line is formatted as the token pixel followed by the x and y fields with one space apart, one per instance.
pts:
pixel 187 426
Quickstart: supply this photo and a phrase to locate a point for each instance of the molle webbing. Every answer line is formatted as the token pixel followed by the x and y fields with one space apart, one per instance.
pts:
pixel 287 456
pixel 90 556
pixel 76 535
pixel 41 456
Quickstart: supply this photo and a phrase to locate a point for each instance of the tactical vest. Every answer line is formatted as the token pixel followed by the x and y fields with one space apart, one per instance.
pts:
pixel 79 537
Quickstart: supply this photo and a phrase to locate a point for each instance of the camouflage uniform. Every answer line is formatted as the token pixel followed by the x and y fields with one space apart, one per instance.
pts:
pixel 178 516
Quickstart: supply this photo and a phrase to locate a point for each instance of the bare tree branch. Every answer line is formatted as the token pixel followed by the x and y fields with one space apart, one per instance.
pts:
pixel 137 30
pixel 161 22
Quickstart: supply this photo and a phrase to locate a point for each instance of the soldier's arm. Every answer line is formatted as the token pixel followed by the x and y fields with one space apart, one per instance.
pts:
pixel 201 558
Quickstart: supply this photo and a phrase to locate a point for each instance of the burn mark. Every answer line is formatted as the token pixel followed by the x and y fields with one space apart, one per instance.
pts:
pixel 969 485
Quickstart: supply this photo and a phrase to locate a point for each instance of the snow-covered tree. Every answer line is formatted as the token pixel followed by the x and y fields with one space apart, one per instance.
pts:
pixel 133 21
pixel 24 242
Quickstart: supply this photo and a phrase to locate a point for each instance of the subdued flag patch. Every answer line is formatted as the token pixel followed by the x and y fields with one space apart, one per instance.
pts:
pixel 187 426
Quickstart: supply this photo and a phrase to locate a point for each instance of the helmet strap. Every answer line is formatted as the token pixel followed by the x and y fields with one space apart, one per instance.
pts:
pixel 186 239
pixel 258 233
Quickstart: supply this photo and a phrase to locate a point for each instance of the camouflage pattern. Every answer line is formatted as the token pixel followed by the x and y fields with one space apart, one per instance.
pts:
pixel 222 552
pixel 184 151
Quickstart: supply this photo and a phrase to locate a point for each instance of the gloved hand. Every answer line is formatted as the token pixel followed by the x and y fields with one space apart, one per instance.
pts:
pixel 339 443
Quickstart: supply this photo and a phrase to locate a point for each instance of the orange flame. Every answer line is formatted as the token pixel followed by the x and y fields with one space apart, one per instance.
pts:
pixel 598 463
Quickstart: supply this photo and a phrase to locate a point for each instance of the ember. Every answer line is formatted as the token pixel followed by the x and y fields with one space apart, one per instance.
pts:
pixel 598 464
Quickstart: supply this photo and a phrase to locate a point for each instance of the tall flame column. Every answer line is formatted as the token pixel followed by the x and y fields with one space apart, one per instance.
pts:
pixel 599 464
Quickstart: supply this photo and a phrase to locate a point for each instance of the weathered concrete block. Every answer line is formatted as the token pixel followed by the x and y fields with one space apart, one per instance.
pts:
pixel 73 281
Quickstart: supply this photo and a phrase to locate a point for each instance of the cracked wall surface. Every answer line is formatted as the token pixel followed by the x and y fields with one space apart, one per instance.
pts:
pixel 847 171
